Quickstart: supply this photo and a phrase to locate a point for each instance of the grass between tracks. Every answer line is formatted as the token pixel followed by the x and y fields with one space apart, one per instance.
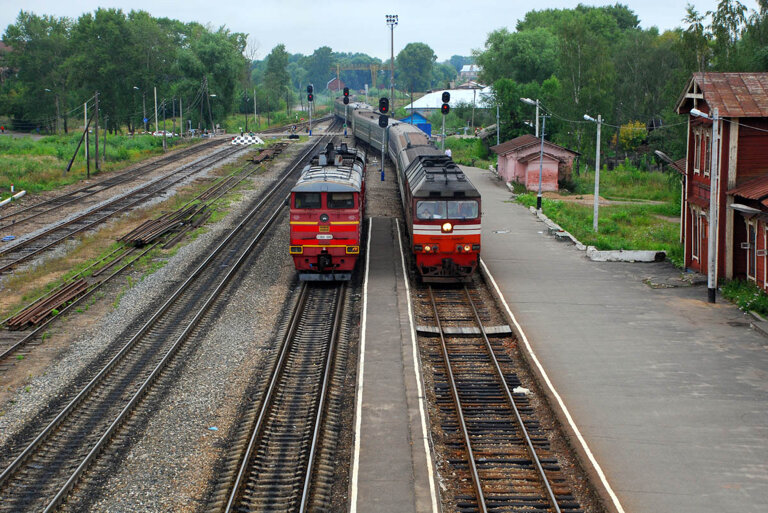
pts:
pixel 644 217
pixel 23 287
pixel 39 165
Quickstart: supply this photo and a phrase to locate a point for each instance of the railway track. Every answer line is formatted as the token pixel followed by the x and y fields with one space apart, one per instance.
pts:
pixel 28 213
pixel 91 279
pixel 497 458
pixel 42 466
pixel 55 234
pixel 280 461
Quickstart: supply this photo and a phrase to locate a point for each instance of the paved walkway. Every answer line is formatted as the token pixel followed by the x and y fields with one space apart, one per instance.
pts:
pixel 669 392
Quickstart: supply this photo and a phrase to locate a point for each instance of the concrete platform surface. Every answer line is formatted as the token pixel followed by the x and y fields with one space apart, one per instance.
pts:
pixel 669 392
pixel 391 464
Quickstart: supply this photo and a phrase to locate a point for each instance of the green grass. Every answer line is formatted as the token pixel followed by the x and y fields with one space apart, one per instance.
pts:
pixel 620 226
pixel 37 166
pixel 470 152
pixel 626 182
pixel 746 295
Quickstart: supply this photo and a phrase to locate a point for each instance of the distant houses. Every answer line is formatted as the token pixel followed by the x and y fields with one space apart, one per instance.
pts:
pixel 739 158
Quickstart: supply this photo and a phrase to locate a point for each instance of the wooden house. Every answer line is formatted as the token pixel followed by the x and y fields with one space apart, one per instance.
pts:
pixel 740 155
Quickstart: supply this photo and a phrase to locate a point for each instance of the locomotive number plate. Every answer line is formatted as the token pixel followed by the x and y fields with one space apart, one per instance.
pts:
pixel 324 228
pixel 324 236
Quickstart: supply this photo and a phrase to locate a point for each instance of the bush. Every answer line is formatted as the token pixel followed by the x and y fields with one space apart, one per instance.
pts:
pixel 746 295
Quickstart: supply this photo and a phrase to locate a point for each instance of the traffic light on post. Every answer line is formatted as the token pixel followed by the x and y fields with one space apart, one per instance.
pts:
pixel 310 97
pixel 310 89
pixel 384 105
pixel 346 92
pixel 445 108
pixel 446 97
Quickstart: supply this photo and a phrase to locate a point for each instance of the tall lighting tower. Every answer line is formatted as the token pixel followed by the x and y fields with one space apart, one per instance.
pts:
pixel 392 21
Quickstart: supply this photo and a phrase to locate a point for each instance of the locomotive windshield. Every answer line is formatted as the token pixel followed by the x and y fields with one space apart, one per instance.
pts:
pixel 341 200
pixel 307 200
pixel 465 209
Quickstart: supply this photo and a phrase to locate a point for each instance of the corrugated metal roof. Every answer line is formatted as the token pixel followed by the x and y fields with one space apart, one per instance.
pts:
pixel 736 95
pixel 755 189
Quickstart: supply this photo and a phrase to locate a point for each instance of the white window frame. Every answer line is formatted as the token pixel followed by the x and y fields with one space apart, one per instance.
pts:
pixel 697 152
pixel 695 237
pixel 707 153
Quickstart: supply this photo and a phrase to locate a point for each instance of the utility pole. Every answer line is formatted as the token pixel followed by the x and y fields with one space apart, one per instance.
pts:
pixel 156 129
pixel 86 124
pixel 144 109
pixel 106 125
pixel 541 163
pixel 597 174
pixel 392 21
pixel 173 101
pixel 58 114
pixel 255 116
pixel 181 119
pixel 96 135
pixel 713 215
pixel 165 145
pixel 537 117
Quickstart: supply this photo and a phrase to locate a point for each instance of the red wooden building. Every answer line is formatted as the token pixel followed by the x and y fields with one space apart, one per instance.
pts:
pixel 741 153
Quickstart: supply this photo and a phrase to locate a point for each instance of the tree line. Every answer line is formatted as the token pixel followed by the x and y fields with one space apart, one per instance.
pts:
pixel 54 65
pixel 598 60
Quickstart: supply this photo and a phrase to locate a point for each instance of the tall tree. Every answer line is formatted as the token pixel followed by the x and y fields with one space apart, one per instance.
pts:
pixel 414 66
pixel 276 78
pixel 40 48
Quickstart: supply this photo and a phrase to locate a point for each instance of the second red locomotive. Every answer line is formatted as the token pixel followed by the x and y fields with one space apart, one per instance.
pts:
pixel 327 213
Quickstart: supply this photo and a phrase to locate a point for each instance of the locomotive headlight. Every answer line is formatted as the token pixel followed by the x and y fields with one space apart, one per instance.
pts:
pixel 447 228
pixel 324 218
pixel 427 248
pixel 467 247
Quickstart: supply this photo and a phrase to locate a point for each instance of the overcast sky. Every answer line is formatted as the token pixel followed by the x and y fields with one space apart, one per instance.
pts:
pixel 449 27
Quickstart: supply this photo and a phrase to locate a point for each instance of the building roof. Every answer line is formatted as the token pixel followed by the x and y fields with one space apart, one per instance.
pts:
pixel 735 95
pixel 679 165
pixel 417 118
pixel 471 68
pixel 524 141
pixel 434 99
pixel 756 189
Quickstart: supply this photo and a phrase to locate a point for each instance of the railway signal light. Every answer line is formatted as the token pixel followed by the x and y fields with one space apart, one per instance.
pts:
pixel 310 97
pixel 346 100
pixel 383 119
pixel 346 91
pixel 310 89
pixel 445 108
pixel 446 96
pixel 384 105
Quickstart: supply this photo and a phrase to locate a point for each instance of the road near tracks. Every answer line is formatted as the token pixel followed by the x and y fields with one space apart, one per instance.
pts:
pixel 41 471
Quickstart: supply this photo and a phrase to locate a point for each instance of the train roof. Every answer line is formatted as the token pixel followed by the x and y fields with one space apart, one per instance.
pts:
pixel 436 175
pixel 333 170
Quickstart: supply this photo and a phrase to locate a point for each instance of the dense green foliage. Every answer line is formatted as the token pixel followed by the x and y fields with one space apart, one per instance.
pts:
pixel 60 63
pixel 597 60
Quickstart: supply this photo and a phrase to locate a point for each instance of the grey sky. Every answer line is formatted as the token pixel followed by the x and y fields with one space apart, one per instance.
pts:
pixel 450 27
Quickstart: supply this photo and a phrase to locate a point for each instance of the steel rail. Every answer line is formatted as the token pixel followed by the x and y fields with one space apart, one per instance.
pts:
pixel 513 405
pixel 459 410
pixel 26 242
pixel 95 188
pixel 152 321
pixel 178 343
pixel 322 398
pixel 268 396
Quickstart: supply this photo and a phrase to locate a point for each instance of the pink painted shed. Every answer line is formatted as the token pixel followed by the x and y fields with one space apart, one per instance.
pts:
pixel 519 162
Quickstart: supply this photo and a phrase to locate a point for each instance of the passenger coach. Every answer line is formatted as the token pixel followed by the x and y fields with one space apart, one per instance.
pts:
pixel 327 206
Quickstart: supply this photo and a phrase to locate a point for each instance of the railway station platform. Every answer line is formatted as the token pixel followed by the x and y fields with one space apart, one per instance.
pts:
pixel 664 395
pixel 391 463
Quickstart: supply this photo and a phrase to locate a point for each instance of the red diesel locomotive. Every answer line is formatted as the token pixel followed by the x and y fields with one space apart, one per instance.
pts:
pixel 441 206
pixel 327 213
